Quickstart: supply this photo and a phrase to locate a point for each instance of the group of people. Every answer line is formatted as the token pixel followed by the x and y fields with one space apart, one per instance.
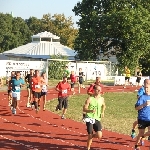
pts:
pixel 128 75
pixel 93 109
pixel 36 87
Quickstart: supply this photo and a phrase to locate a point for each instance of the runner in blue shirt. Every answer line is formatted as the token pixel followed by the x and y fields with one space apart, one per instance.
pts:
pixel 16 83
pixel 143 107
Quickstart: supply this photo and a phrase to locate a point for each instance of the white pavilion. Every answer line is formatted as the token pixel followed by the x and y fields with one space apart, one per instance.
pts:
pixel 43 45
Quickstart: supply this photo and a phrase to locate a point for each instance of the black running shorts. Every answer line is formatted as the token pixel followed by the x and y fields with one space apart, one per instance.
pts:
pixel 96 127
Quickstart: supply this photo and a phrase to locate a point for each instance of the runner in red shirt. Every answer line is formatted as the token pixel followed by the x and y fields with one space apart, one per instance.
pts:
pixel 63 87
pixel 73 79
pixel 37 87
pixel 91 88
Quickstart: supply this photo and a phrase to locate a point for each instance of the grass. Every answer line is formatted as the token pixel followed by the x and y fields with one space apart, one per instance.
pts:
pixel 108 82
pixel 119 115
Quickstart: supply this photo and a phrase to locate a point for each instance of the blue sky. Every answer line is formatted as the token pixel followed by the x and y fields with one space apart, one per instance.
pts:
pixel 36 8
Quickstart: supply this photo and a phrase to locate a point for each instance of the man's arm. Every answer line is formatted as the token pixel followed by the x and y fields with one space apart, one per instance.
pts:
pixel 58 87
pixel 103 106
pixel 140 105
pixel 86 105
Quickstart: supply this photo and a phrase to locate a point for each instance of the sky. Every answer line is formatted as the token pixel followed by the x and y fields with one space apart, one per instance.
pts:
pixel 36 8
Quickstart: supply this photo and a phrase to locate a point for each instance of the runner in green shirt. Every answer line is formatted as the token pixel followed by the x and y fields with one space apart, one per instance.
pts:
pixel 94 108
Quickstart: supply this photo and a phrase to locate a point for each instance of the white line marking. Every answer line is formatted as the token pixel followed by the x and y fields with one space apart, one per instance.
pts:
pixel 69 143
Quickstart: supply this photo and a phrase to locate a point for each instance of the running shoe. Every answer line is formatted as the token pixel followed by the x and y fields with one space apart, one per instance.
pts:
pixel 133 135
pixel 57 108
pixel 28 105
pixel 63 117
pixel 14 111
pixel 142 141
pixel 137 148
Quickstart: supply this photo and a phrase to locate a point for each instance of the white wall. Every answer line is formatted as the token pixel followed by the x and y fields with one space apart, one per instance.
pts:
pixel 23 66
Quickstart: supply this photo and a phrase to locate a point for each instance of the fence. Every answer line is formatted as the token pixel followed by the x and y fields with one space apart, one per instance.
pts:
pixel 56 67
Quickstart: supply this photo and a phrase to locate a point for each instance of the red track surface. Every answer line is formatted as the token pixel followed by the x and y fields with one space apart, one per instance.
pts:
pixel 46 131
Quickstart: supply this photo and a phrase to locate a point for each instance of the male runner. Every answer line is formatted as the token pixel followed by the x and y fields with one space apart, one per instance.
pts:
pixel 28 80
pixel 15 85
pixel 143 107
pixel 91 88
pixel 62 88
pixel 94 108
pixel 8 82
pixel 141 92
pixel 37 87
pixel 127 76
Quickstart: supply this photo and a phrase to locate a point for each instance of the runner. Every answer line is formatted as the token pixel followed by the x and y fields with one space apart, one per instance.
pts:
pixel 66 72
pixel 28 80
pixel 139 75
pixel 143 107
pixel 81 75
pixel 127 77
pixel 8 82
pixel 15 85
pixel 90 91
pixel 73 79
pixel 139 94
pixel 94 108
pixel 63 87
pixel 91 88
pixel 37 87
pixel 44 89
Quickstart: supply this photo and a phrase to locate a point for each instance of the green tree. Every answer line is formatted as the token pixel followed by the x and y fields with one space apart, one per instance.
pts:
pixel 124 24
pixel 56 68
pixel 13 33
pixel 57 24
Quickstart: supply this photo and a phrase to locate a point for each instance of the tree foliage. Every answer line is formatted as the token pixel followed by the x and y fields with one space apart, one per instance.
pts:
pixel 57 24
pixel 114 27
pixel 56 68
pixel 16 31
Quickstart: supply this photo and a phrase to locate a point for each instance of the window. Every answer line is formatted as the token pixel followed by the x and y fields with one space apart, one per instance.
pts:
pixel 46 39
pixel 55 40
pixel 36 39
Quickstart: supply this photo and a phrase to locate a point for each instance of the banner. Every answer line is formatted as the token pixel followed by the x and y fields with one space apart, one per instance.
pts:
pixel 120 80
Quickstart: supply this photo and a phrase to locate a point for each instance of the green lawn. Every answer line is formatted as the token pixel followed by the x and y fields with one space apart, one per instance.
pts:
pixel 119 115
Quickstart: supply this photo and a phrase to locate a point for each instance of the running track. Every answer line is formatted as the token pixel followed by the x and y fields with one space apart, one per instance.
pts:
pixel 46 131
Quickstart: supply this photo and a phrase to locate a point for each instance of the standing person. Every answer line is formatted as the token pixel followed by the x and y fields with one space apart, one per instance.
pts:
pixel 37 87
pixel 143 107
pixel 138 75
pixel 127 76
pixel 94 108
pixel 8 82
pixel 28 80
pixel 15 85
pixel 73 79
pixel 81 75
pixel 44 89
pixel 63 88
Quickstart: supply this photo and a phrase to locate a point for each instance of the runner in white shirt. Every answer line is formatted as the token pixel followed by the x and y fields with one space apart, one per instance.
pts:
pixel 44 89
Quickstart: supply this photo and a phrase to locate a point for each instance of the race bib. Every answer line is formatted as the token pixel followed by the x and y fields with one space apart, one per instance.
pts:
pixel 44 88
pixel 64 91
pixel 37 86
pixel 17 88
pixel 90 120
